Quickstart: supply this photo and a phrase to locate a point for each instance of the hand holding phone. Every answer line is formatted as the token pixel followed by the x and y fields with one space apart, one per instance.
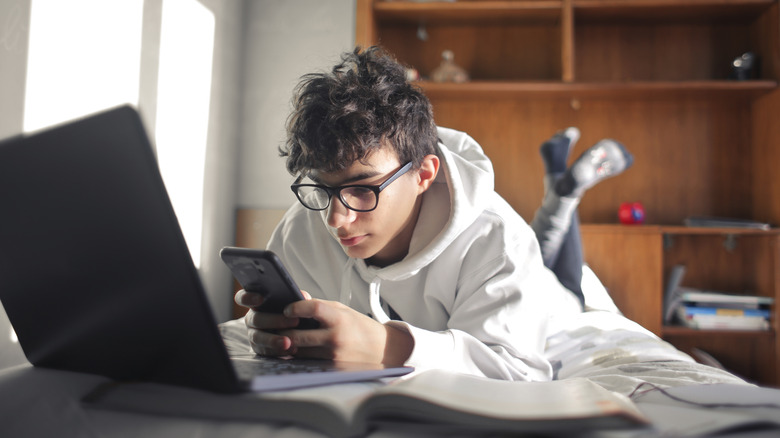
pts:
pixel 262 272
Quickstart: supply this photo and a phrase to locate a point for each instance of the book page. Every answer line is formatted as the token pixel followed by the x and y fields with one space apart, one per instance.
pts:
pixel 344 398
pixel 562 399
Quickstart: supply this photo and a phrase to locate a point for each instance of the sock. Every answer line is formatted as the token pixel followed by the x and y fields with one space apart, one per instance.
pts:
pixel 555 151
pixel 604 159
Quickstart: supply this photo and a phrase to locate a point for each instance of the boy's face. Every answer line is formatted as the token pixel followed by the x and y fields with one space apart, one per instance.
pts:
pixel 381 236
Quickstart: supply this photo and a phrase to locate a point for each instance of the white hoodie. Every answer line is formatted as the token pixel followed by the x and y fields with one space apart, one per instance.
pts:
pixel 472 291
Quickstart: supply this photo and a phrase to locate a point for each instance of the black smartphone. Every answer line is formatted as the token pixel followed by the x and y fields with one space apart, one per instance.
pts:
pixel 261 271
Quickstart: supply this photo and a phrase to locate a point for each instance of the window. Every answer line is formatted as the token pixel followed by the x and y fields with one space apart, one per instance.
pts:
pixel 85 56
pixel 183 97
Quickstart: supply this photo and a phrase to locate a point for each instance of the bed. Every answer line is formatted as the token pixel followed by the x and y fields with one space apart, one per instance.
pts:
pixel 600 345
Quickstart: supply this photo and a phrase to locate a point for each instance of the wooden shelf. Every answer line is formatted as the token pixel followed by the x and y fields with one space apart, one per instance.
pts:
pixel 546 10
pixel 717 231
pixel 455 12
pixel 651 74
pixel 674 229
pixel 557 89
pixel 670 330
pixel 690 11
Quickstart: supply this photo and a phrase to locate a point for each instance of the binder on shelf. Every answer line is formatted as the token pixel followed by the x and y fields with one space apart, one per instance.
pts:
pixel 722 321
pixel 702 309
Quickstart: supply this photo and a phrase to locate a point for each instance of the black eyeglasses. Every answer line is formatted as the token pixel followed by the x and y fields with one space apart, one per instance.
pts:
pixel 357 197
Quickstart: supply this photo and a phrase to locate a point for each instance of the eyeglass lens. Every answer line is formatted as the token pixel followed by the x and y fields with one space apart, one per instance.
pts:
pixel 356 198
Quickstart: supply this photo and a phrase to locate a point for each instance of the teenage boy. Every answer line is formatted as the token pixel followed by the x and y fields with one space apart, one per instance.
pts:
pixel 407 254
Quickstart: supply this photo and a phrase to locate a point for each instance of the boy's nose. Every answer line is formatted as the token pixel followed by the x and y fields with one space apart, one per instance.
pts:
pixel 338 214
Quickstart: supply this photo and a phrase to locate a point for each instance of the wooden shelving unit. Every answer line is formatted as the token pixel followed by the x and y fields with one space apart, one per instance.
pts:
pixel 605 90
pixel 652 74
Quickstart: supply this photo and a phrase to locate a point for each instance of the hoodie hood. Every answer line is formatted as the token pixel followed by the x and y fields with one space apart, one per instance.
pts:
pixel 462 189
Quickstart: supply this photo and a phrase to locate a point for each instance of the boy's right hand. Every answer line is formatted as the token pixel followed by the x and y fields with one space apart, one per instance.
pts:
pixel 261 324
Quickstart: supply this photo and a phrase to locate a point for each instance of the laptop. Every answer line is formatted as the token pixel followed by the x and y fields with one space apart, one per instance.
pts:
pixel 95 274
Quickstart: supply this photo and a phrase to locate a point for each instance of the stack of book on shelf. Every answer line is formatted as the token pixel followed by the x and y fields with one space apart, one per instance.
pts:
pixel 710 310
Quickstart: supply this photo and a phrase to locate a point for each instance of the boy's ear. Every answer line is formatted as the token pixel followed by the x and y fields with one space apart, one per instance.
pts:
pixel 428 171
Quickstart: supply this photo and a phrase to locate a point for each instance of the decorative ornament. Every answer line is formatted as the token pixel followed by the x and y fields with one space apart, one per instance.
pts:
pixel 448 71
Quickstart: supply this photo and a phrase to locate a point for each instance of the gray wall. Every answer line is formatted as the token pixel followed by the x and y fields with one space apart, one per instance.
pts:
pixel 14 32
pixel 284 40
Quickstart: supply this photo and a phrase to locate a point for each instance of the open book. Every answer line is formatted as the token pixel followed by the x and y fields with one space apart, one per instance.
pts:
pixel 435 401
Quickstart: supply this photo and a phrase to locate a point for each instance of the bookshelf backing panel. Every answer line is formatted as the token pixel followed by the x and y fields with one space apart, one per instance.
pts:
pixel 748 355
pixel 689 11
pixel 734 263
pixel 766 158
pixel 687 152
pixel 658 52
pixel 516 52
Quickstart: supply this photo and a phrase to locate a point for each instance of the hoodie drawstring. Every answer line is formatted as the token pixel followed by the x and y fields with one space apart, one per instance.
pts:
pixel 345 296
pixel 375 302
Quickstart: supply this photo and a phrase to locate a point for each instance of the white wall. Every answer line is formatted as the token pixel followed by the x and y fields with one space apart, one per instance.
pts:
pixel 261 49
pixel 220 184
pixel 285 39
pixel 14 33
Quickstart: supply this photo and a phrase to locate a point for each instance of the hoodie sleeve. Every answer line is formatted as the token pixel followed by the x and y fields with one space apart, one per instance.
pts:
pixel 498 318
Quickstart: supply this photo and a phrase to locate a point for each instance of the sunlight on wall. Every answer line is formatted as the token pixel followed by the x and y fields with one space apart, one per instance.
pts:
pixel 84 56
pixel 183 98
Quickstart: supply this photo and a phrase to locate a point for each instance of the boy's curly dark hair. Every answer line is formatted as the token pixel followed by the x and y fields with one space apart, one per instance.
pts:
pixel 364 104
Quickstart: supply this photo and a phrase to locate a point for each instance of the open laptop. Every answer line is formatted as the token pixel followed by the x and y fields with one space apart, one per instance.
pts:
pixel 95 274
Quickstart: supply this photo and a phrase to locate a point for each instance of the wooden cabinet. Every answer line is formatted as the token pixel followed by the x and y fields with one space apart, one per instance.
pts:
pixel 634 264
pixel 652 74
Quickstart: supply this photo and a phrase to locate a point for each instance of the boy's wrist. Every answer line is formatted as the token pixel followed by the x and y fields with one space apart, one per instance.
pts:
pixel 398 346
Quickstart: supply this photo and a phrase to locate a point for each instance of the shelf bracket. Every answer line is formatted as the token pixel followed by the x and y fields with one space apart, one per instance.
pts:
pixel 422 32
pixel 668 241
pixel 730 242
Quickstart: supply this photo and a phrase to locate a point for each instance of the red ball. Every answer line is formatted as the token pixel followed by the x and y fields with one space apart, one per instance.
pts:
pixel 631 213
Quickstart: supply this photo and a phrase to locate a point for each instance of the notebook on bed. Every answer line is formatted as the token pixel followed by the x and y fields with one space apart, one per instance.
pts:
pixel 95 274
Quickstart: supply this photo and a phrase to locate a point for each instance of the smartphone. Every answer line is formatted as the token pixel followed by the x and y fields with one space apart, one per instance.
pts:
pixel 261 271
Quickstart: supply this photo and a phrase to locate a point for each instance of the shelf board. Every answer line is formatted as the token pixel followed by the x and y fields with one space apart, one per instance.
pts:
pixel 674 10
pixel 471 12
pixel 545 10
pixel 716 230
pixel 673 229
pixel 671 330
pixel 478 89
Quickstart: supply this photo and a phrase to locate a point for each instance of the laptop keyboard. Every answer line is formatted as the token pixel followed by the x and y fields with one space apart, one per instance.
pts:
pixel 275 366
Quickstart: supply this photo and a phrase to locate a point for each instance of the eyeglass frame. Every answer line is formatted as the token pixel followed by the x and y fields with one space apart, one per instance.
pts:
pixel 336 191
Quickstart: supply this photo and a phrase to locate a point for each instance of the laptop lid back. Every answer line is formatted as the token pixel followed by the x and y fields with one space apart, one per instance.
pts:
pixel 95 274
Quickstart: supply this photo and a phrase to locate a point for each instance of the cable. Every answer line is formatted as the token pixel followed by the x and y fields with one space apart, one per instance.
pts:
pixel 634 394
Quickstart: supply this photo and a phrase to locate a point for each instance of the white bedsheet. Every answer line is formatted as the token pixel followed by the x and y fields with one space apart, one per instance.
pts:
pixel 619 354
